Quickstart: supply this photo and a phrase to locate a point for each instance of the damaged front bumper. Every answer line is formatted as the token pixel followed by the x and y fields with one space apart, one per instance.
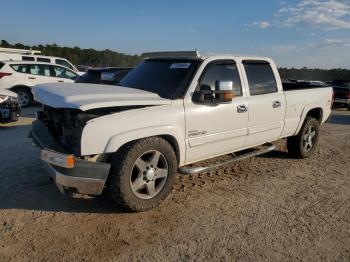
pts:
pixel 67 171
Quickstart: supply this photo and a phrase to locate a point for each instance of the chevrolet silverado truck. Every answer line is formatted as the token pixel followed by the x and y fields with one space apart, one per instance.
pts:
pixel 171 111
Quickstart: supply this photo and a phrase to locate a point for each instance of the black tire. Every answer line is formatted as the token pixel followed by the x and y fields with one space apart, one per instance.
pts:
pixel 24 95
pixel 297 144
pixel 124 162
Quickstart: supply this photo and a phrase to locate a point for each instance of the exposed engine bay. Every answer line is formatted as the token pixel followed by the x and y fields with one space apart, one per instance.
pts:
pixel 66 125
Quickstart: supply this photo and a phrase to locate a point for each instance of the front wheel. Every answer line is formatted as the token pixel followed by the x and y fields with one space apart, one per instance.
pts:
pixel 305 143
pixel 143 174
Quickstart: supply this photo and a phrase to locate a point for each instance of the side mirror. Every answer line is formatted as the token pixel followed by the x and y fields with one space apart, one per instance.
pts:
pixel 204 95
pixel 223 91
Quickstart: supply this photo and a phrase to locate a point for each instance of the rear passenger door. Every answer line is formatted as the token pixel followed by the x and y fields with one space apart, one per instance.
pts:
pixel 39 74
pixel 266 103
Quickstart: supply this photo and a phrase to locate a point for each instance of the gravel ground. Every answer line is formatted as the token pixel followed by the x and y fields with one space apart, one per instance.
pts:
pixel 268 208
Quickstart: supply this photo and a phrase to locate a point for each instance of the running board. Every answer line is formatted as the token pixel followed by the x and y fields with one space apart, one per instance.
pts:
pixel 268 147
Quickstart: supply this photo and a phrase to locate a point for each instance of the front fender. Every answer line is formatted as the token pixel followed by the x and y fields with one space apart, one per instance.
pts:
pixel 121 139
pixel 108 133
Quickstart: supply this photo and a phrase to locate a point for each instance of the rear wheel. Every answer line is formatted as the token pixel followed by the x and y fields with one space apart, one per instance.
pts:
pixel 305 143
pixel 24 95
pixel 143 174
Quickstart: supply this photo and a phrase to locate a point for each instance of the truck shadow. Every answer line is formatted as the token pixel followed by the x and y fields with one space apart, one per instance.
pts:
pixel 46 197
pixel 277 154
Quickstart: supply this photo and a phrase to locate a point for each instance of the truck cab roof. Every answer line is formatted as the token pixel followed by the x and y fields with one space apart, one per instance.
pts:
pixel 198 56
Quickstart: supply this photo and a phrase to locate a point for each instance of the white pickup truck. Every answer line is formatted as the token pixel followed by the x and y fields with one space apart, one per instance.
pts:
pixel 172 110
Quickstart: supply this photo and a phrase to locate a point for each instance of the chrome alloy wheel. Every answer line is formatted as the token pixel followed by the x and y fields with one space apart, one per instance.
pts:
pixel 149 174
pixel 309 138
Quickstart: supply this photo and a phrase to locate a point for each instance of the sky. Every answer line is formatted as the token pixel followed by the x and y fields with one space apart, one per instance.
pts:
pixel 296 33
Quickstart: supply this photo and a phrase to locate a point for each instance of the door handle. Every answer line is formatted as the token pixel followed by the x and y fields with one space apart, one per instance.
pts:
pixel 242 109
pixel 61 81
pixel 276 104
pixel 30 77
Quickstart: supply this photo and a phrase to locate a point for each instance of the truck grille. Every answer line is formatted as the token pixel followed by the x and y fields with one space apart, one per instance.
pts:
pixel 65 126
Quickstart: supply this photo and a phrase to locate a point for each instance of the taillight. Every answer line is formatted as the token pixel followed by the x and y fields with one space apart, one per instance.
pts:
pixel 348 94
pixel 4 74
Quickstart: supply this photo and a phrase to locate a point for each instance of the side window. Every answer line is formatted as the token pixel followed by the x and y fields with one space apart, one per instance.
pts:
pixel 64 73
pixel 260 77
pixel 20 68
pixel 120 75
pixel 43 59
pixel 34 69
pixel 27 58
pixel 225 70
pixel 43 70
pixel 63 63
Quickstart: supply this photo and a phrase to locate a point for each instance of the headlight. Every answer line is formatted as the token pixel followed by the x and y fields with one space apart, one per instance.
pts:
pixel 3 98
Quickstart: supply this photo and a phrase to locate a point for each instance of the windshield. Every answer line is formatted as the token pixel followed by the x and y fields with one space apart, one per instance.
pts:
pixel 169 78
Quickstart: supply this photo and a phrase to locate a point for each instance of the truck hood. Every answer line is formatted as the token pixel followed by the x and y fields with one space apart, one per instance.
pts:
pixel 92 96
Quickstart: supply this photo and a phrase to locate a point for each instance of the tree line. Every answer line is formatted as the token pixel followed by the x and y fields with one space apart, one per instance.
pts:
pixel 103 58
pixel 79 56
pixel 316 74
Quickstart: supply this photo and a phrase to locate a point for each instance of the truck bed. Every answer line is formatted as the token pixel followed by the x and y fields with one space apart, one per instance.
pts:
pixel 288 86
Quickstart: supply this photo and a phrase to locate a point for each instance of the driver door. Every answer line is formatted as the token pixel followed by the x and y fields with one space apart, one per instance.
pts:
pixel 216 129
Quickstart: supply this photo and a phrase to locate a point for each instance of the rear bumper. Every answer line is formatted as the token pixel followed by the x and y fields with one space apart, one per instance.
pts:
pixel 86 177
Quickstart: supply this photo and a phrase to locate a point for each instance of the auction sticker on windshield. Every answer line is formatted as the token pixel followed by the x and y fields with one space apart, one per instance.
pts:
pixel 180 65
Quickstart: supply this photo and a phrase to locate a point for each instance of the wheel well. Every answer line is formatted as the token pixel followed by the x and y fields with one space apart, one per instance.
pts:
pixel 14 88
pixel 316 113
pixel 170 139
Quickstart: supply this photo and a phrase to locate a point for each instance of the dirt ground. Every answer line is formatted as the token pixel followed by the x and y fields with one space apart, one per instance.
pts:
pixel 269 208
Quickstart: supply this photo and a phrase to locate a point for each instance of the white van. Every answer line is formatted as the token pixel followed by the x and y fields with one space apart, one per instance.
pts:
pixel 12 54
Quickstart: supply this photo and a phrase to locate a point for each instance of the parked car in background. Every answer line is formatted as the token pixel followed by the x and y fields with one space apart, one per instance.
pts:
pixel 20 77
pixel 82 68
pixel 11 54
pixel 341 89
pixel 9 106
pixel 108 75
